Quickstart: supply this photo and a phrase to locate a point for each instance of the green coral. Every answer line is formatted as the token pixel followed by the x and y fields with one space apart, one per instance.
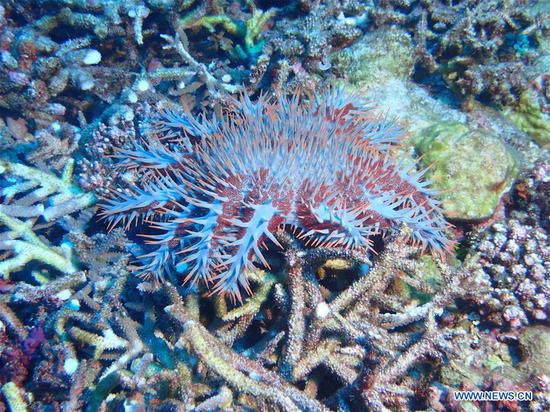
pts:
pixel 248 32
pixel 210 22
pixel 529 118
pixel 472 169
pixel 254 28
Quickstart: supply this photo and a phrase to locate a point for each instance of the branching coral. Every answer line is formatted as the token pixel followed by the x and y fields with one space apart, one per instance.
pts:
pixel 213 85
pixel 297 49
pixel 324 314
pixel 32 194
pixel 247 31
pixel 320 168
pixel 13 397
pixel 37 69
pixel 363 335
pixel 287 44
pixel 25 351
pixel 51 53
pixel 100 16
pixel 283 197
pixel 482 49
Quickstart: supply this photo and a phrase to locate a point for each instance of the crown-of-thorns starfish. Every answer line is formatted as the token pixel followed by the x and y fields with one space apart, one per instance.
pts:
pixel 214 191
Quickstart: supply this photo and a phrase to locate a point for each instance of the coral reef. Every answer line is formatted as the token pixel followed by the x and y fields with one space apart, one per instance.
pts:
pixel 40 67
pixel 481 49
pixel 298 47
pixel 376 58
pixel 134 95
pixel 69 61
pixel 245 28
pixel 485 362
pixel 534 344
pixel 286 46
pixel 124 342
pixel 215 203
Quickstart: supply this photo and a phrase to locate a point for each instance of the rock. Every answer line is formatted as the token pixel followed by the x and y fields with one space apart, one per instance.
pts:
pixel 471 169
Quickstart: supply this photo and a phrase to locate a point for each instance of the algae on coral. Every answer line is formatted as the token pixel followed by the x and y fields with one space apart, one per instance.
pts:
pixel 471 169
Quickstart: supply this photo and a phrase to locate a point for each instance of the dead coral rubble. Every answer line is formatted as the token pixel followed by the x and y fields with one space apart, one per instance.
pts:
pixel 121 343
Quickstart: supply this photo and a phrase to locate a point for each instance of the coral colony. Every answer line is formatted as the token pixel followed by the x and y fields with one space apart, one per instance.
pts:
pixel 214 192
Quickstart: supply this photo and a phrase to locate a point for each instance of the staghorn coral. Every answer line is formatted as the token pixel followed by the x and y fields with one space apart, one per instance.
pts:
pixel 102 18
pixel 31 194
pixel 96 171
pixel 158 348
pixel 215 195
pixel 317 317
pixel 120 343
pixel 17 347
pixel 297 48
pixel 13 397
pixel 25 354
pixel 326 327
pixel 54 68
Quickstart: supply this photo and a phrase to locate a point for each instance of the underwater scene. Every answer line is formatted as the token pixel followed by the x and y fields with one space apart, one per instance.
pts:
pixel 268 205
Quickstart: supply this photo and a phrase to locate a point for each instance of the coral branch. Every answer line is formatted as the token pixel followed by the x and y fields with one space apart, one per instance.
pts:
pixel 49 198
pixel 241 373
